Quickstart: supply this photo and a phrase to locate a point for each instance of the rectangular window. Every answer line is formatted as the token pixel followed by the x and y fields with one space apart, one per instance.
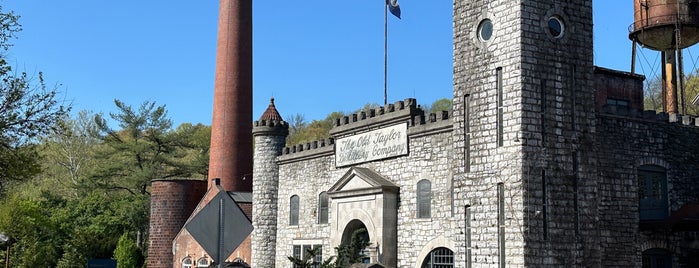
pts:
pixel 467 216
pixel 318 259
pixel 323 208
pixel 498 73
pixel 617 102
pixel 467 133
pixel 652 192
pixel 542 122
pixel 296 252
pixel 544 205
pixel 576 203
pixel 301 251
pixel 501 224
pixel 573 91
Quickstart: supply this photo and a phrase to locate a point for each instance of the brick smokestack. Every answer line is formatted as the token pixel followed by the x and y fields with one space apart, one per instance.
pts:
pixel 231 128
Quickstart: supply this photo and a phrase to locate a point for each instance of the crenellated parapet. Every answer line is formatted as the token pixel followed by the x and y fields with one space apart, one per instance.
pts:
pixel 419 124
pixel 389 114
pixel 649 115
pixel 270 127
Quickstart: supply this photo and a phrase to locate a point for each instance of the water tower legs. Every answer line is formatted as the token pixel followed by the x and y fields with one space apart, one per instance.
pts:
pixel 669 82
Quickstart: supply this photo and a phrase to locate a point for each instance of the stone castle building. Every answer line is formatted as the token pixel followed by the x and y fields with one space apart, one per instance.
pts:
pixel 544 161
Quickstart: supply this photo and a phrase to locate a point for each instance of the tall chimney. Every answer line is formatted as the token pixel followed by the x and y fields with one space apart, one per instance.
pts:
pixel 231 127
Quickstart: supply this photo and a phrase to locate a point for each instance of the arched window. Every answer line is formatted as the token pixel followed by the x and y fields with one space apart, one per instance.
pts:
pixel 203 262
pixel 652 193
pixel 439 258
pixel 656 258
pixel 294 210
pixel 323 207
pixel 424 198
pixel 187 262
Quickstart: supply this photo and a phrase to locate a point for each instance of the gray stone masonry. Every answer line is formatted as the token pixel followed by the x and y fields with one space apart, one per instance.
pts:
pixel 269 137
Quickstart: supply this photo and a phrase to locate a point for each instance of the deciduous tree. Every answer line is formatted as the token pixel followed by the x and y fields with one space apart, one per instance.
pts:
pixel 28 109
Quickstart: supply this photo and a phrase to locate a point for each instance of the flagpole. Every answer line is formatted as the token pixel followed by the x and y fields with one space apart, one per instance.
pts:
pixel 385 52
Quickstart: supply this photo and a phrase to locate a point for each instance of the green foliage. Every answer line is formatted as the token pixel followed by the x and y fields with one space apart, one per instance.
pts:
pixel 354 251
pixel 127 253
pixel 302 132
pixel 28 109
pixel 439 105
pixel 691 90
pixel 69 157
pixel 35 234
pixel 652 94
pixel 652 100
pixel 346 254
pixel 138 153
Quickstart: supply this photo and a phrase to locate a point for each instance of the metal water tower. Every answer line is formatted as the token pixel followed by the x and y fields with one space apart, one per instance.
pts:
pixel 667 26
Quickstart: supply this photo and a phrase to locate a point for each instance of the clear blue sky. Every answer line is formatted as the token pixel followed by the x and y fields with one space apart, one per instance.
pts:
pixel 313 56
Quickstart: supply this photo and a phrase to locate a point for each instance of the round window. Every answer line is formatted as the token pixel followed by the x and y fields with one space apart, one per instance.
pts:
pixel 485 30
pixel 556 27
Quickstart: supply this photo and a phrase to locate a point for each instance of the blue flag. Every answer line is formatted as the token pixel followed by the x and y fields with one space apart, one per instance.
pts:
pixel 393 7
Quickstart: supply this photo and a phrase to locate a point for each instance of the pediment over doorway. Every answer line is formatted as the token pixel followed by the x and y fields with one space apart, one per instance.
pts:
pixel 361 181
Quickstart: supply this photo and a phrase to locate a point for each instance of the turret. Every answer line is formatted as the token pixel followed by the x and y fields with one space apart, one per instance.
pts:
pixel 269 138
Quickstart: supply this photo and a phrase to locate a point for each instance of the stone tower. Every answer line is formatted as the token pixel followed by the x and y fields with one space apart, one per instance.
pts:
pixel 270 137
pixel 523 131
pixel 230 152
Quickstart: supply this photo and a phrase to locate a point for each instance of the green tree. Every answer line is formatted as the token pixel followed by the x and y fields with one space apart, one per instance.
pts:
pixel 69 157
pixel 439 105
pixel 37 238
pixel 127 253
pixel 302 132
pixel 652 100
pixel 354 251
pixel 191 157
pixel 652 94
pixel 28 109
pixel 346 254
pixel 139 152
pixel 691 91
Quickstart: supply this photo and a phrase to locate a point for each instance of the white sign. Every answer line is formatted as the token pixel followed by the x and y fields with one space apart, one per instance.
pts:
pixel 373 145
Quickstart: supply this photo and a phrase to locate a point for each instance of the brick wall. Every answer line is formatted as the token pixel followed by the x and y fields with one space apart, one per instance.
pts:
pixel 172 201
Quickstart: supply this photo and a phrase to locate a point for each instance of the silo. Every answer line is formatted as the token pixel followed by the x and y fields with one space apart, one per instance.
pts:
pixel 667 26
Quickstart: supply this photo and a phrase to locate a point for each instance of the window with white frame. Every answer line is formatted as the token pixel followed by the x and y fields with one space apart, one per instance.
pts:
pixel 187 262
pixel 203 262
pixel 302 251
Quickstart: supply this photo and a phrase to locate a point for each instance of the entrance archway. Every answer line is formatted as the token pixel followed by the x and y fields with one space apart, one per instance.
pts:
pixel 351 227
pixel 358 227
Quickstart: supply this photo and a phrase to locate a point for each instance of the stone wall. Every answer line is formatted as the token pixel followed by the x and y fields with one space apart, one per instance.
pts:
pixel 310 169
pixel 626 143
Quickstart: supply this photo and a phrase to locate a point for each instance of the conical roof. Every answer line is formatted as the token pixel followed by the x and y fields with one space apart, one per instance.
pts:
pixel 271 114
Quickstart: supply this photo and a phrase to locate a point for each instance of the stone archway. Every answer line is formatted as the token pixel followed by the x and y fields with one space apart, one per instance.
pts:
pixel 364 199
pixel 350 228
pixel 362 233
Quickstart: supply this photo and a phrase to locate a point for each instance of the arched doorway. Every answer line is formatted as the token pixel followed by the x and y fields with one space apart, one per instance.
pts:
pixel 439 257
pixel 355 235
